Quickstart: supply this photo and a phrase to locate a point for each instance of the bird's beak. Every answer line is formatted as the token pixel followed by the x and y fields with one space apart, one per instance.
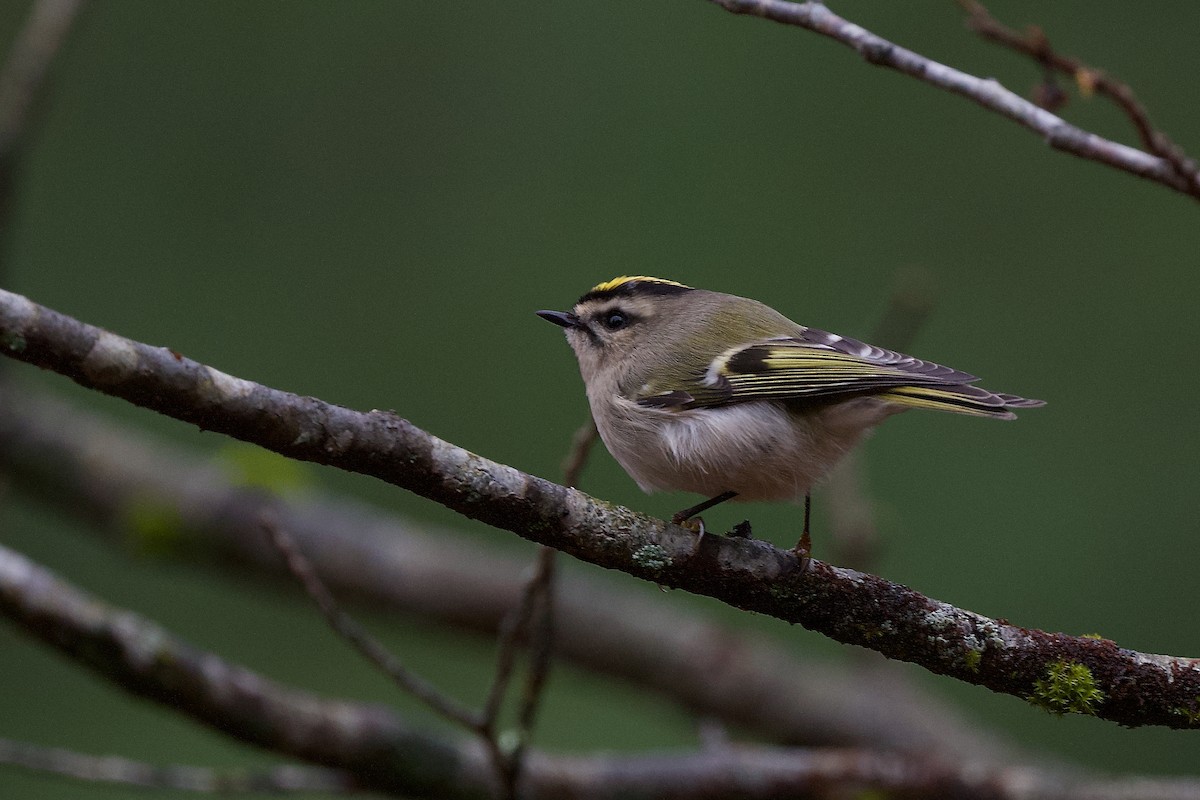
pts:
pixel 564 319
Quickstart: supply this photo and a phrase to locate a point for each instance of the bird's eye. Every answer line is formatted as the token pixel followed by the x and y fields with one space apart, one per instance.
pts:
pixel 615 320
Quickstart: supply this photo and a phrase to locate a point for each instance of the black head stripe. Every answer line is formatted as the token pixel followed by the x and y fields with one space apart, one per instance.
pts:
pixel 634 288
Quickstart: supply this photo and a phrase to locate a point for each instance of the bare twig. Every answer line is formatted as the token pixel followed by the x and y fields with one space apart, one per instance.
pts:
pixel 1036 45
pixel 533 618
pixel 351 631
pixel 581 447
pixel 127 772
pixel 1119 685
pixel 514 626
pixel 116 478
pixel 988 93
pixel 541 648
pixel 483 724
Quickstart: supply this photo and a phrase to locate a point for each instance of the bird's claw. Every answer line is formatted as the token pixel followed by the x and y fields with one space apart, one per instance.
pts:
pixel 803 551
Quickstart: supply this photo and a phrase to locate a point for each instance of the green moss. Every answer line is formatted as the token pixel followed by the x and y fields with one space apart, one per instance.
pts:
pixel 1095 636
pixel 651 557
pixel 971 660
pixel 1067 688
pixel 1192 715
pixel 781 592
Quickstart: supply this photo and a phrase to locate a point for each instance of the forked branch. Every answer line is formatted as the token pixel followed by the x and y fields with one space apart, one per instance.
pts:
pixel 1057 132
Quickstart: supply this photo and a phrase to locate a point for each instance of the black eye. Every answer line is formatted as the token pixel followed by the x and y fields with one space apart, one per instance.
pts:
pixel 615 320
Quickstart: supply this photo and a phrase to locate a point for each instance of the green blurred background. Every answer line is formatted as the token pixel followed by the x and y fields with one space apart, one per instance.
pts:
pixel 365 202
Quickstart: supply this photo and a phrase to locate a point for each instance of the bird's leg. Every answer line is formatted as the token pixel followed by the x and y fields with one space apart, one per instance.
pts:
pixel 687 514
pixel 803 548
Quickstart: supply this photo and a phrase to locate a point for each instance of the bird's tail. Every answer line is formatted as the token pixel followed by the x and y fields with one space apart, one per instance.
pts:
pixel 960 399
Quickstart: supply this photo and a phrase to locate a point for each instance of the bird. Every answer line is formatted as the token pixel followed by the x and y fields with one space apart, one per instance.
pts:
pixel 723 396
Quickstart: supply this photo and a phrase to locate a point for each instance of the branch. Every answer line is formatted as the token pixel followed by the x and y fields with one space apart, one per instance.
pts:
pixel 167 501
pixel 382 752
pixel 126 772
pixel 1062 673
pixel 1058 133
pixel 370 742
pixel 1036 46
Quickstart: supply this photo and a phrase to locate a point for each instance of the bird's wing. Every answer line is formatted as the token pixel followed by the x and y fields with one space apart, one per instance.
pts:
pixel 818 365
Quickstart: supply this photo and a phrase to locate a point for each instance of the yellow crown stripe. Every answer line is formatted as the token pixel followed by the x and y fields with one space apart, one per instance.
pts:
pixel 608 286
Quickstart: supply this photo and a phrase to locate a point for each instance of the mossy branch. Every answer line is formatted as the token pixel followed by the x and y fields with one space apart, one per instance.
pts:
pixel 374 748
pixel 848 606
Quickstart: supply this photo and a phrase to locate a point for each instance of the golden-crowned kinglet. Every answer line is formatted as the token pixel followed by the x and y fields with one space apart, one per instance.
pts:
pixel 723 396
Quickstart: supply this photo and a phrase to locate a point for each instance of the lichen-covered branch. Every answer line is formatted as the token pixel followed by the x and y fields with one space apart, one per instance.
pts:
pixel 986 92
pixel 377 749
pixel 1112 683
pixel 168 501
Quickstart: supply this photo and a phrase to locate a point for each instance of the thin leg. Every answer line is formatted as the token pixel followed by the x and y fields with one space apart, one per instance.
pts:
pixel 803 548
pixel 688 513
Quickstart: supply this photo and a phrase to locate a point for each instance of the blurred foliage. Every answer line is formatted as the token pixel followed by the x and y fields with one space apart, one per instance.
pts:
pixel 251 466
pixel 365 201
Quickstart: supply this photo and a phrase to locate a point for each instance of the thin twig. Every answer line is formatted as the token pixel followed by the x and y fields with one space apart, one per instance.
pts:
pixel 988 93
pixel 356 635
pixel 541 650
pixel 512 629
pixel 127 772
pixel 581 448
pixel 533 618
pixel 1036 45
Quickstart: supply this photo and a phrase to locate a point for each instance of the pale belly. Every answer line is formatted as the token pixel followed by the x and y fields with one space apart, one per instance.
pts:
pixel 759 450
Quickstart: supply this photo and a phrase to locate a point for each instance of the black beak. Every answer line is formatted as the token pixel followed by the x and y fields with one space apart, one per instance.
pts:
pixel 564 319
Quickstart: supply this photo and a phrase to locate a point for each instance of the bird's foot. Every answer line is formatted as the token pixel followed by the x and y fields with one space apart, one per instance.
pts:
pixel 803 551
pixel 693 524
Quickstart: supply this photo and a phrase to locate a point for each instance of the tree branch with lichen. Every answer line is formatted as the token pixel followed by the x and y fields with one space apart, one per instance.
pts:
pixel 153 498
pixel 1111 682
pixel 372 747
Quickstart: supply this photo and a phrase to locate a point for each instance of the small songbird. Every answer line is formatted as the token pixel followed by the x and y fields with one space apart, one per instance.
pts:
pixel 723 396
